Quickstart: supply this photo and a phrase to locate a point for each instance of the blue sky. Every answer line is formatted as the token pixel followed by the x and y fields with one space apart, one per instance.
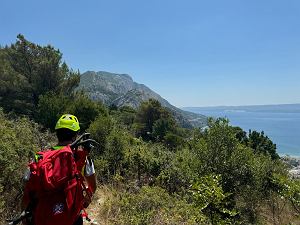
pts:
pixel 192 52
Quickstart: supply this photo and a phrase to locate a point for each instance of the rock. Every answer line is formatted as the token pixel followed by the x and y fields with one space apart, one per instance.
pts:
pixel 120 90
pixel 295 172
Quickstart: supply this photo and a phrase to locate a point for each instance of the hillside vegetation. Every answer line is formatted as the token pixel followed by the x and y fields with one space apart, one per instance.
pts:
pixel 153 170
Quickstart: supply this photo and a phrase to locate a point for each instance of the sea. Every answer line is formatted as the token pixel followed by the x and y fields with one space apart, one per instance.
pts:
pixel 281 126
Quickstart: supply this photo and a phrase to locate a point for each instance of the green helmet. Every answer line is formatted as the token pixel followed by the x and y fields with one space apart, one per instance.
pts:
pixel 68 121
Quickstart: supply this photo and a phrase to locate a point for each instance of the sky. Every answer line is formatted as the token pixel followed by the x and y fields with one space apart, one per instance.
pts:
pixel 191 52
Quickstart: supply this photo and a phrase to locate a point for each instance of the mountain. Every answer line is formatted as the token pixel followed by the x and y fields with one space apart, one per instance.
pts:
pixel 121 90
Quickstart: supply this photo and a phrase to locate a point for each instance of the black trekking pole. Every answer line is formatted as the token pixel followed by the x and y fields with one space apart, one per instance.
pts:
pixel 85 141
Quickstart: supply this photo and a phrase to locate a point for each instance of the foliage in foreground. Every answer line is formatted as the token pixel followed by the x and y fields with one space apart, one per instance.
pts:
pixel 19 139
pixel 151 205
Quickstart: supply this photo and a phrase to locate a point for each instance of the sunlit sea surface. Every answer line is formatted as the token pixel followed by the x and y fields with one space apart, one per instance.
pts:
pixel 282 127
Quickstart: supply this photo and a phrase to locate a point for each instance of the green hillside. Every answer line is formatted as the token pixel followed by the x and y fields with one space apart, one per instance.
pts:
pixel 150 169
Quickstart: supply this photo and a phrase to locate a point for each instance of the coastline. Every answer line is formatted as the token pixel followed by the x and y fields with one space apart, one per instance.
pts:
pixel 280 125
pixel 294 164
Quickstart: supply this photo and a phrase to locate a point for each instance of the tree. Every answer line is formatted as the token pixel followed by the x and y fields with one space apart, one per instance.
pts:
pixel 161 127
pixel 257 141
pixel 146 116
pixel 152 121
pixel 240 134
pixel 50 107
pixel 12 87
pixel 124 115
pixel 37 70
pixel 85 109
pixel 262 144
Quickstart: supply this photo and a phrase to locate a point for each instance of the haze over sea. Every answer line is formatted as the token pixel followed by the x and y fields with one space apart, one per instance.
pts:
pixel 279 122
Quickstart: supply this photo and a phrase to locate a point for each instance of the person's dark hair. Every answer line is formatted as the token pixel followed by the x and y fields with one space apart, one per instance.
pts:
pixel 64 134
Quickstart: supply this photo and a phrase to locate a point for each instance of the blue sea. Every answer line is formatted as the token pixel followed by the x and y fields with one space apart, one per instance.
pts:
pixel 283 128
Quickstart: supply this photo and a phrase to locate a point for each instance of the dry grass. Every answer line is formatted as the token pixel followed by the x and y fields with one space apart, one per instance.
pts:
pixel 276 212
pixel 279 212
pixel 99 210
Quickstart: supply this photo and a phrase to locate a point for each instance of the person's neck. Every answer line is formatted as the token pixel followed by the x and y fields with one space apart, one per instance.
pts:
pixel 64 143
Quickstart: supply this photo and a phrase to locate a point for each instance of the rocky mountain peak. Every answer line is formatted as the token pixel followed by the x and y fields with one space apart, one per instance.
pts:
pixel 121 90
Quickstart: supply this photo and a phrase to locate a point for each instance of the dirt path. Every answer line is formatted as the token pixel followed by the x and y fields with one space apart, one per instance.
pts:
pixel 95 207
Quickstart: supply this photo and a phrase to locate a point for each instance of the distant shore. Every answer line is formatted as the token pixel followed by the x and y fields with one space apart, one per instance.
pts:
pixel 281 123
pixel 294 163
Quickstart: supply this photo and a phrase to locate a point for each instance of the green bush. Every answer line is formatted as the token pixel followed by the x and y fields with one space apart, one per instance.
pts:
pixel 245 173
pixel 100 130
pixel 115 151
pixel 19 140
pixel 210 198
pixel 145 161
pixel 179 171
pixel 153 205
pixel 288 190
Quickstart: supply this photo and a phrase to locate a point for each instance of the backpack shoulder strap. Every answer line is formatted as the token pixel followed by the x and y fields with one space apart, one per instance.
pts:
pixel 39 155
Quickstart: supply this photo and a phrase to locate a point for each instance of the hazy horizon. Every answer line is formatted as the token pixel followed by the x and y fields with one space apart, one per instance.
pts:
pixel 208 106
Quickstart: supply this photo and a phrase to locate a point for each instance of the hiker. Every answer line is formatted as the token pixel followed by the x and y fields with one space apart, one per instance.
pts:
pixel 61 181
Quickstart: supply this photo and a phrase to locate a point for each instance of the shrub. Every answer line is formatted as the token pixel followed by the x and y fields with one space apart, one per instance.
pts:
pixel 179 172
pixel 209 198
pixel 152 205
pixel 19 140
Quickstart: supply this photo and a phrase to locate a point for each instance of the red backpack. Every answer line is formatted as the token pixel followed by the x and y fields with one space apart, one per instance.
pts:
pixel 57 186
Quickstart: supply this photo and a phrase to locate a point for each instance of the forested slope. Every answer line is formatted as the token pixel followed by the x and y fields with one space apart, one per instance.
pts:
pixel 152 170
